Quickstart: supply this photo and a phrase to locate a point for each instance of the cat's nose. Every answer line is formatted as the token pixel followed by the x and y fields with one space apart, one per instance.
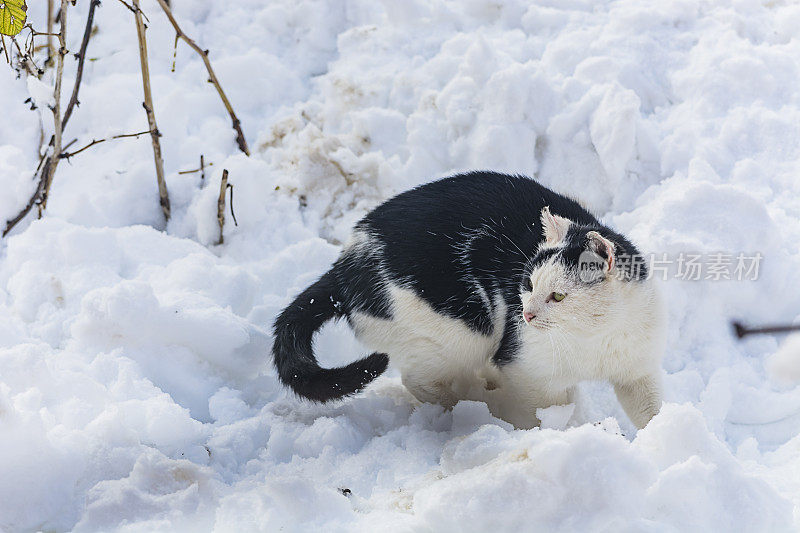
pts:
pixel 528 316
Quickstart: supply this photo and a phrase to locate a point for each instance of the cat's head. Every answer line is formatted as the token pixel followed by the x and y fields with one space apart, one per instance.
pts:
pixel 579 275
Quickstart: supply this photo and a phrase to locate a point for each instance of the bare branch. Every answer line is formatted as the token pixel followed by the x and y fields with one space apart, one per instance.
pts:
pixel 5 48
pixel 133 9
pixel 151 117
pixel 67 155
pixel 73 100
pixel 175 52
pixel 51 50
pixel 35 33
pixel 223 186
pixel 42 170
pixel 240 140
pixel 743 331
pixel 73 141
pixel 25 59
pixel 201 169
pixel 32 201
pixel 235 223
pixel 62 51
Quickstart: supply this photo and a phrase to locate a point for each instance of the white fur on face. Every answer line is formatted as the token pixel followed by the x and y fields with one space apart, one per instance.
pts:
pixel 584 306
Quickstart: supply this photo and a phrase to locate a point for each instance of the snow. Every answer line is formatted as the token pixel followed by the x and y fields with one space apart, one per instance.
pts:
pixel 784 365
pixel 136 391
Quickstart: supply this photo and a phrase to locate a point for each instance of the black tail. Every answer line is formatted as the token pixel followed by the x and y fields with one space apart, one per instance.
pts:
pixel 294 356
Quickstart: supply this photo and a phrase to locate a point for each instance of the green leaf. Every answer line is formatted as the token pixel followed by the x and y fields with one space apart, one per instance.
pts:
pixel 12 16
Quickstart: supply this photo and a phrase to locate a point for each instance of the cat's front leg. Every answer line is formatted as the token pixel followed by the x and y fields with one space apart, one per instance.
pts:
pixel 640 398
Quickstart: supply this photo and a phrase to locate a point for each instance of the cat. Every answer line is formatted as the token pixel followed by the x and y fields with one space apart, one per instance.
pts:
pixel 484 286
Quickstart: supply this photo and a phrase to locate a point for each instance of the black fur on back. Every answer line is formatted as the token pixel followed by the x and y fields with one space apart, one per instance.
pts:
pixel 458 243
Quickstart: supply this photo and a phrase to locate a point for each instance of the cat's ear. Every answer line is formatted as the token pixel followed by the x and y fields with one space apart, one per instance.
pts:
pixel 603 247
pixel 554 227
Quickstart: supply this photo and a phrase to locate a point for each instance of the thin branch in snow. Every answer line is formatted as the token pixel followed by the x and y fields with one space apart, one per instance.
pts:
pixel 742 331
pixel 67 155
pixel 201 169
pixel 73 141
pixel 51 50
pixel 33 199
pixel 223 186
pixel 233 214
pixel 58 124
pixel 175 52
pixel 73 100
pixel 151 116
pixel 133 9
pixel 25 60
pixel 5 48
pixel 240 140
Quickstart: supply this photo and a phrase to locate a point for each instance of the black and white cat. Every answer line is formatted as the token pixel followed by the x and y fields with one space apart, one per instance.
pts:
pixel 488 287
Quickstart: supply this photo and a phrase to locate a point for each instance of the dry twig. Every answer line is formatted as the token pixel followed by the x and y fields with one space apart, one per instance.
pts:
pixel 63 148
pixel 201 169
pixel 58 124
pixel 5 48
pixel 25 59
pixel 133 9
pixel 151 117
pixel 67 155
pixel 50 48
pixel 73 100
pixel 223 186
pixel 233 214
pixel 175 52
pixel 240 140
pixel 742 331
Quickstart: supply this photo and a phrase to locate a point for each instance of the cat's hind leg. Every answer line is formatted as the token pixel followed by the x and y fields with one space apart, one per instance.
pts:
pixel 427 373
pixel 640 398
pixel 428 390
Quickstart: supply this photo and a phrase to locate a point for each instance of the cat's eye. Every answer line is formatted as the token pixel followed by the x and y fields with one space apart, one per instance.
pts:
pixel 526 284
pixel 558 296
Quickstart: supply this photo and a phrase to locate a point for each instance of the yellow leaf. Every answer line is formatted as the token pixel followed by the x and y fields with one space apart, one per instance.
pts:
pixel 12 16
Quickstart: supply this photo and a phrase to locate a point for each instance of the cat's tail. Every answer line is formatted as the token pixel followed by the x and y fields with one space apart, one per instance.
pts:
pixel 294 355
